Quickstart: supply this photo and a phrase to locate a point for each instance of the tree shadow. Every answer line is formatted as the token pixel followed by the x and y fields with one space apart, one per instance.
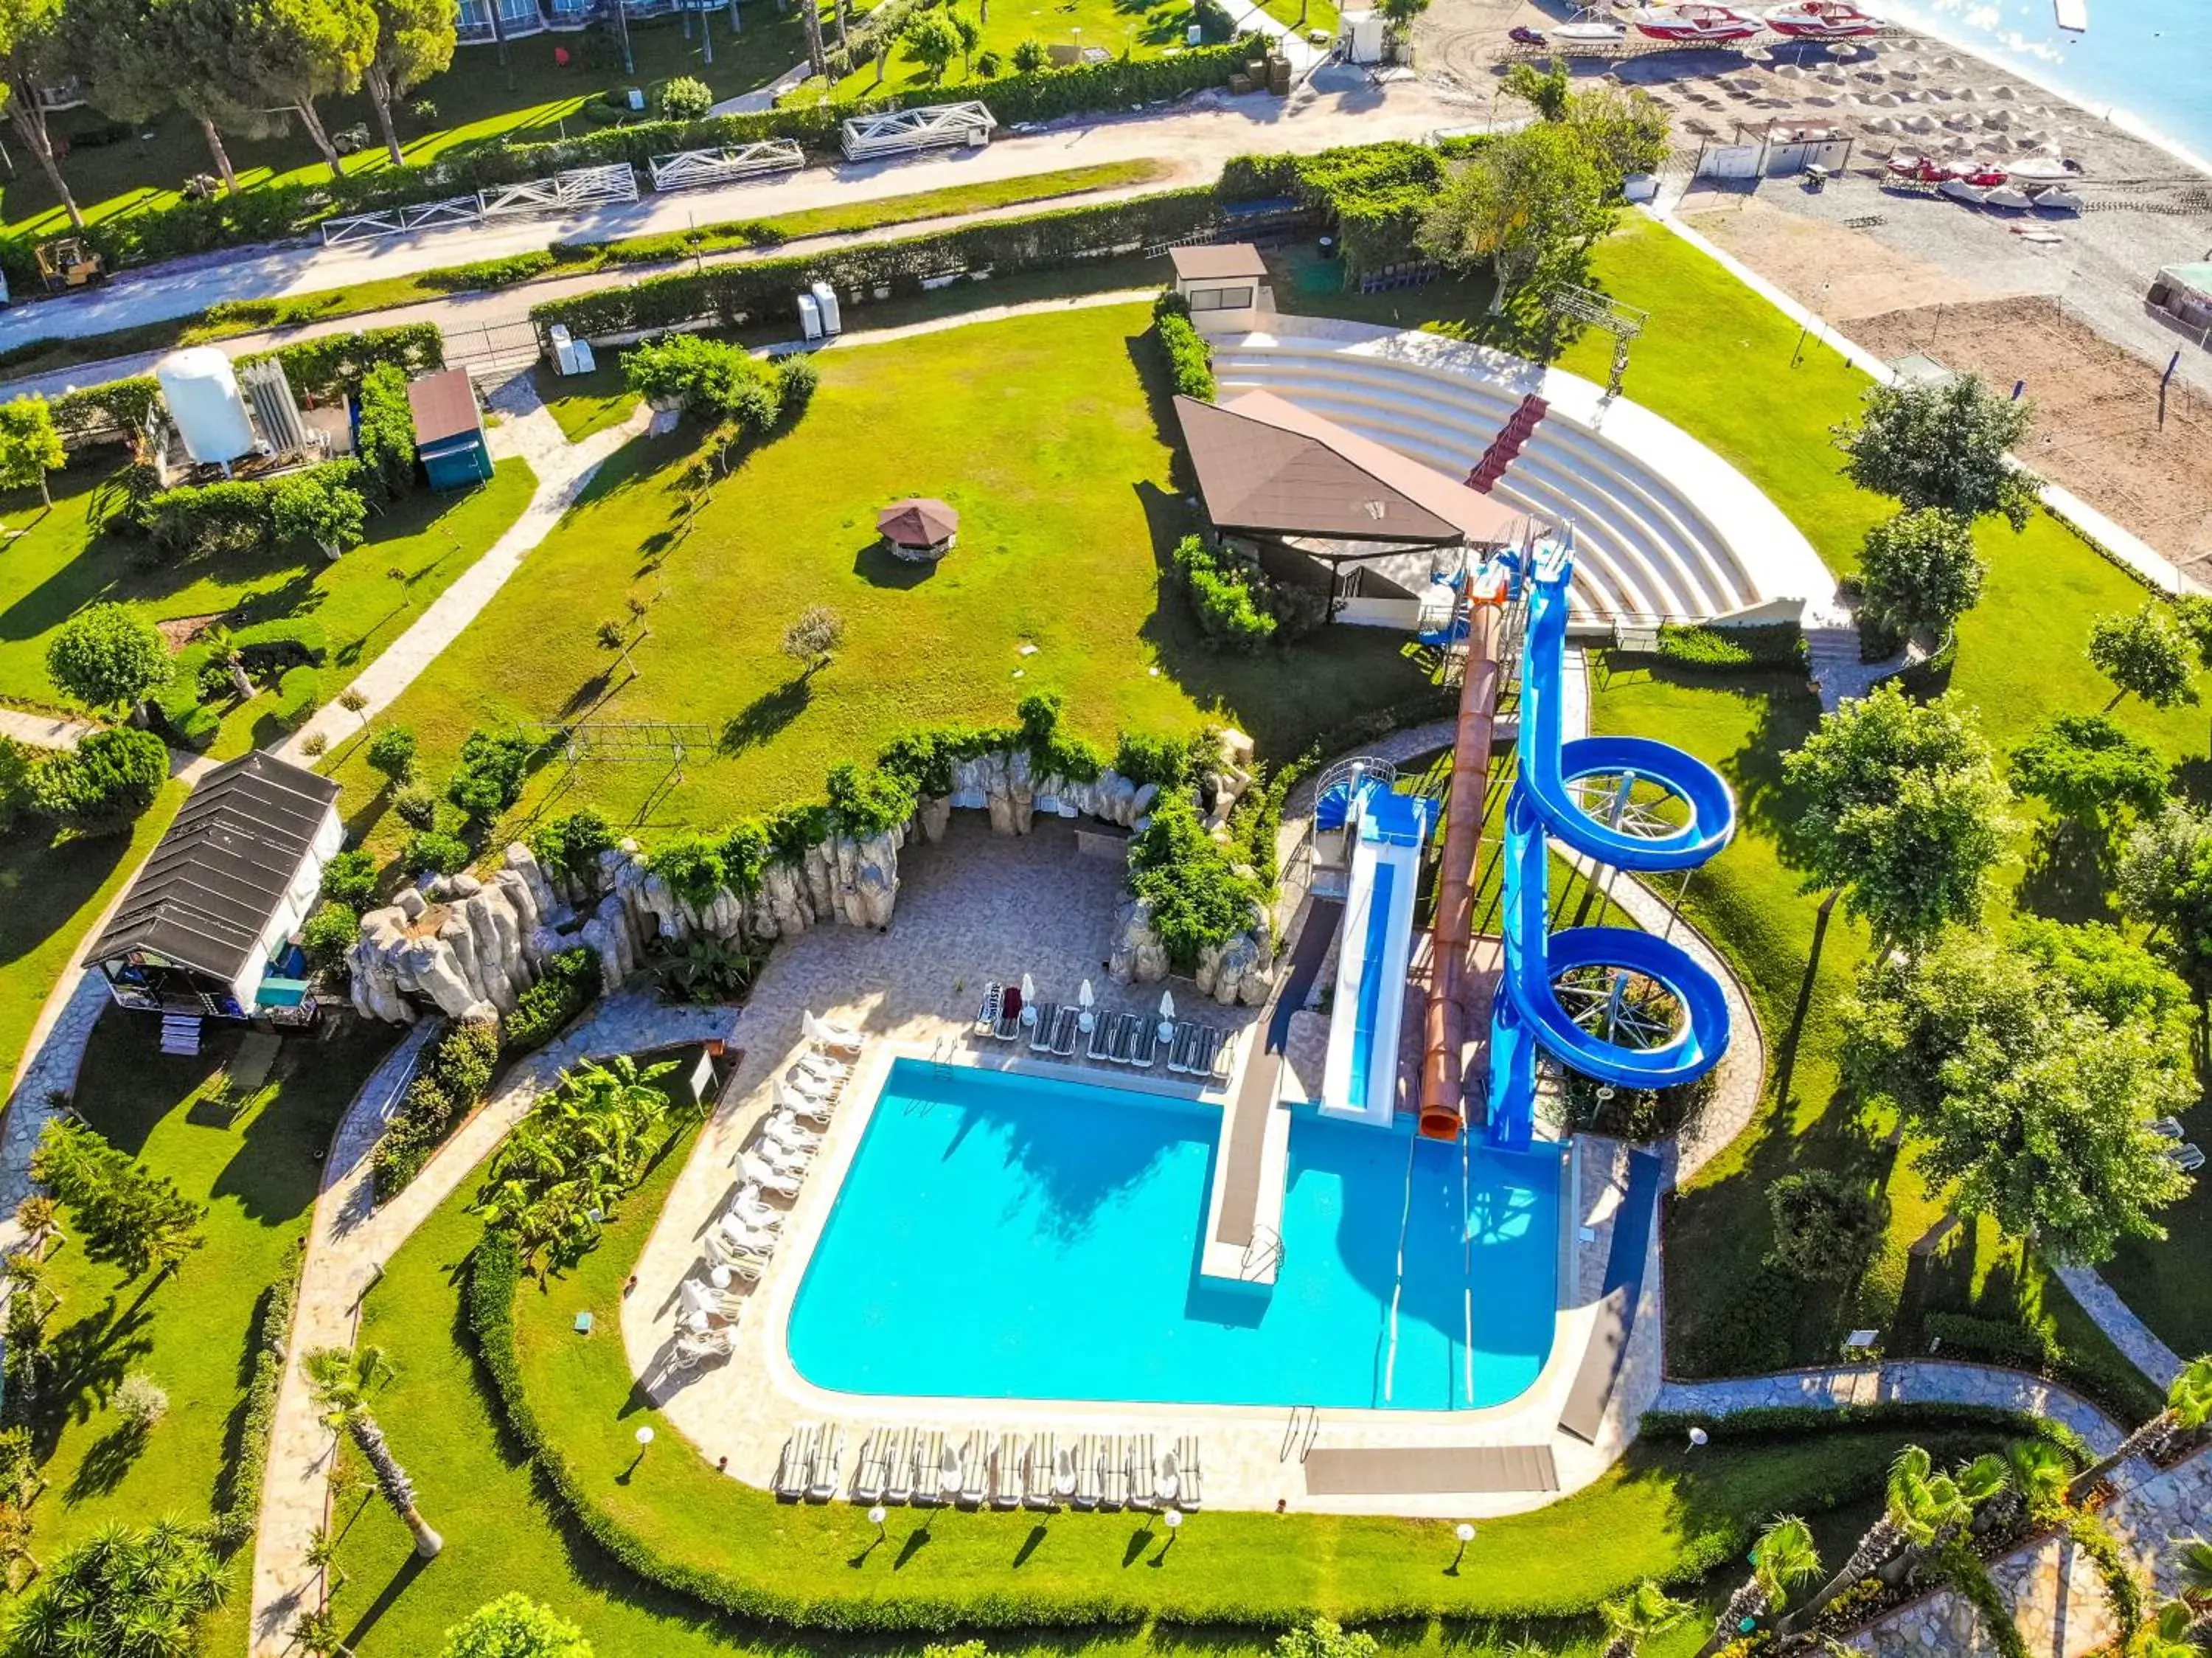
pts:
pixel 401 1581
pixel 2067 877
pixel 767 715
pixel 106 1462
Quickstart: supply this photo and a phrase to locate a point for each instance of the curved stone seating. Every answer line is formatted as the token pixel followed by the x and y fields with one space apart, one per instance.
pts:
pixel 1664 528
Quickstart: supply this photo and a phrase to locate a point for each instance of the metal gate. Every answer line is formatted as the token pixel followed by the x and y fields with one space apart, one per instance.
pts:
pixel 689 169
pixel 491 348
pixel 583 187
pixel 399 220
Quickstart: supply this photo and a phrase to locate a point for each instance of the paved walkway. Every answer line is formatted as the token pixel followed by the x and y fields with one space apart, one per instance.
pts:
pixel 563 469
pixel 1195 135
pixel 39 730
pixel 350 1241
pixel 1917 1381
pixel 2135 1339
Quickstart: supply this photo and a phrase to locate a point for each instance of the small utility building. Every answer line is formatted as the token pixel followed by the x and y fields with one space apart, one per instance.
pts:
pixel 449 434
pixel 2185 293
pixel 205 929
pixel 1223 284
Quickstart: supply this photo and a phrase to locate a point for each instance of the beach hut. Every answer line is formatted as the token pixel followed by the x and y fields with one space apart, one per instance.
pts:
pixel 919 529
pixel 449 434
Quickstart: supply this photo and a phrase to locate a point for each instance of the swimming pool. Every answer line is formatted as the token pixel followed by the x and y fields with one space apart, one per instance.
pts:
pixel 1000 1235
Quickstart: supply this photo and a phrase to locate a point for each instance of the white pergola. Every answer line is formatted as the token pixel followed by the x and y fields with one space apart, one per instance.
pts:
pixel 902 132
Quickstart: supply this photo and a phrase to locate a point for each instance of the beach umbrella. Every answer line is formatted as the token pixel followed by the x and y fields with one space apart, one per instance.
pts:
pixel 1083 996
pixel 1086 1018
pixel 1029 1001
pixel 1167 1016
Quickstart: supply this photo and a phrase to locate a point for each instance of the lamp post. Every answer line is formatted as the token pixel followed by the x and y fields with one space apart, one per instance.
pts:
pixel 1173 1521
pixel 876 1517
pixel 1465 1532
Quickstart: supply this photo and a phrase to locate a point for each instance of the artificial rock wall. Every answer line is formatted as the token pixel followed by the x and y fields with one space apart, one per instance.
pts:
pixel 468 948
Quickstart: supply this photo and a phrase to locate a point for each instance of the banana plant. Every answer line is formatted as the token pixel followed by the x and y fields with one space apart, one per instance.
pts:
pixel 2168 1632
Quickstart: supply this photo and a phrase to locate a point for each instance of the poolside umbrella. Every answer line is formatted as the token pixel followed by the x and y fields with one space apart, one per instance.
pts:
pixel 1082 999
pixel 1029 1001
pixel 1167 1014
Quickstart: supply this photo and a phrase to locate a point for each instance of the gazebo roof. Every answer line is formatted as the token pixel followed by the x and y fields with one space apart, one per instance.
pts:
pixel 919 521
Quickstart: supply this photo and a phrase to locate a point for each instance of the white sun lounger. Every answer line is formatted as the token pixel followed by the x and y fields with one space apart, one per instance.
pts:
pixel 749 1214
pixel 1137 1471
pixel 761 1172
pixel 793 1468
pixel 941 1478
pixel 1007 1458
pixel 987 1012
pixel 1193 1493
pixel 872 1473
pixel 1167 1479
pixel 784 1129
pixel 829 1032
pixel 1084 1460
pixel 1113 1481
pixel 743 1256
pixel 813 1107
pixel 1101 1046
pixel 1047 1021
pixel 823 1475
pixel 819 1074
pixel 898 1466
pixel 975 1470
pixel 2190 1157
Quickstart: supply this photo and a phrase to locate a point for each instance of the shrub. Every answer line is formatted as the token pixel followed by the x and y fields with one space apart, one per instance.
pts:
pixel 1197 897
pixel 1220 591
pixel 436 852
pixel 391 753
pixel 321 506
pixel 1825 1226
pixel 1167 762
pixel 107 655
pixel 488 778
pixel 17 761
pixel 384 442
pixel 1190 362
pixel 331 366
pixel 416 808
pixel 686 98
pixel 515 1626
pixel 210 521
pixel 797 378
pixel 570 983
pixel 238 1493
pixel 287 642
pixel 104 783
pixel 1760 646
pixel 298 693
pixel 139 1400
pixel 570 846
pixel 989 66
pixel 490 273
pixel 870 802
pixel 691 866
pixel 444 1091
pixel 709 379
pixel 1031 56
pixel 330 933
pixel 350 878
pixel 813 639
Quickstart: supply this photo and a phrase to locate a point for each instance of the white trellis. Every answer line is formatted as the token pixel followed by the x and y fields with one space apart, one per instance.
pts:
pixel 688 169
pixel 902 132
pixel 583 187
pixel 398 221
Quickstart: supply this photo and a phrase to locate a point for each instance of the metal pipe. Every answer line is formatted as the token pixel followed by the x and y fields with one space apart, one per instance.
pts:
pixel 1442 1107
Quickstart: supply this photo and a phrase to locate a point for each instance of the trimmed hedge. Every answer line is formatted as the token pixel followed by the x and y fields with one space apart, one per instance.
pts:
pixel 490 273
pixel 570 983
pixel 1190 361
pixel 495 1279
pixel 287 641
pixel 727 296
pixel 1759 646
pixel 1373 196
pixel 2117 1386
pixel 238 1492
pixel 1770 1420
pixel 446 1089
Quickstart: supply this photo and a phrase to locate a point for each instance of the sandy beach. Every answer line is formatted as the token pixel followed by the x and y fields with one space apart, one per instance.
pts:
pixel 2054 299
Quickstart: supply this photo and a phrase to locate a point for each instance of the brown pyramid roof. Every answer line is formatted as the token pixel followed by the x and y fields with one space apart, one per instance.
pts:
pixel 1267 464
pixel 919 521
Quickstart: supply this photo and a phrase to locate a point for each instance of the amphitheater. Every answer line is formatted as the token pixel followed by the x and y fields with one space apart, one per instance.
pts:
pixel 1666 530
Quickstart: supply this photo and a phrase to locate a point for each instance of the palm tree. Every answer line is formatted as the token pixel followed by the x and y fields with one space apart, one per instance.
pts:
pixel 1783 1559
pixel 343 1379
pixel 1880 1541
pixel 2195 1557
pixel 2035 1476
pixel 1645 1610
pixel 2188 1407
pixel 2169 1632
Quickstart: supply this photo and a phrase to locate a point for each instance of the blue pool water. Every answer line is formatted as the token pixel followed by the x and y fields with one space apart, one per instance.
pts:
pixel 1006 1236
pixel 2142 61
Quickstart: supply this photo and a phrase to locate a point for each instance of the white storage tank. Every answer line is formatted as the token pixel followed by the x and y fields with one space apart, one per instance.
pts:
pixel 825 301
pixel 201 391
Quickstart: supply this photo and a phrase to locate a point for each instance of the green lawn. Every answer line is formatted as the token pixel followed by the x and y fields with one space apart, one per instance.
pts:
pixel 56 569
pixel 257 1173
pixel 584 404
pixel 1716 359
pixel 1043 431
pixel 1657 1507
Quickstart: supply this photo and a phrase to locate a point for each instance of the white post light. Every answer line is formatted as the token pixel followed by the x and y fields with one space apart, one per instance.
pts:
pixel 876 1517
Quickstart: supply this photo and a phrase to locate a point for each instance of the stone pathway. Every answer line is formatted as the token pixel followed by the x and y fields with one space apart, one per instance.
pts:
pixel 563 469
pixel 38 730
pixel 350 1241
pixel 52 1071
pixel 1918 1381
pixel 2135 1339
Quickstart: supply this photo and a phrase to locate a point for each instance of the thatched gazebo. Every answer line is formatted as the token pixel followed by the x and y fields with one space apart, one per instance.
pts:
pixel 919 529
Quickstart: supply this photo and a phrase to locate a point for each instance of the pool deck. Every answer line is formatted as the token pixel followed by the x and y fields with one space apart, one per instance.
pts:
pixel 976 907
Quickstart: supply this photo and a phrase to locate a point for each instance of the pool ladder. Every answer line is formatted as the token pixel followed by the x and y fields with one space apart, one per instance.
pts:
pixel 1300 1432
pixel 1263 1254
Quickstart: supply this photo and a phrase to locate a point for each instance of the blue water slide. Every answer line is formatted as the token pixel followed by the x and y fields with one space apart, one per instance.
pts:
pixel 1528 1013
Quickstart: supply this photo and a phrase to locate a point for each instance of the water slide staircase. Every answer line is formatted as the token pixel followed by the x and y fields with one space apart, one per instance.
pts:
pixel 1384 832
pixel 1505 447
pixel 1622 1006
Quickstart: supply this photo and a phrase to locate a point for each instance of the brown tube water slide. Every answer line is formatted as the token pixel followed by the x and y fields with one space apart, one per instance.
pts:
pixel 1443 1113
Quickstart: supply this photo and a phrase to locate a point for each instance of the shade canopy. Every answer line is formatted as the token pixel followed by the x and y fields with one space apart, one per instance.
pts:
pixel 919 521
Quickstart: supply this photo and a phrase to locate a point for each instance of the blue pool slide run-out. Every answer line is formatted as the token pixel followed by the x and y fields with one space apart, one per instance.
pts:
pixel 1360 1071
pixel 1527 1014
